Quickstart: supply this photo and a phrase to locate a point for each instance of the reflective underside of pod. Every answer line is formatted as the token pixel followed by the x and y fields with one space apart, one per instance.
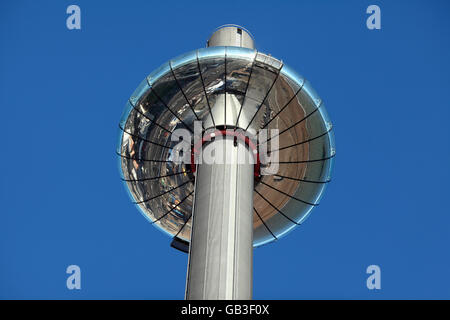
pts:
pixel 258 92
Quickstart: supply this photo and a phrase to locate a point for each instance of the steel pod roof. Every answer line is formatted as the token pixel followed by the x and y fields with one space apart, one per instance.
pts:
pixel 260 92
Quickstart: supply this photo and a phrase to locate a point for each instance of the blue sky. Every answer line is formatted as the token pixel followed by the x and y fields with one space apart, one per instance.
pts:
pixel 63 91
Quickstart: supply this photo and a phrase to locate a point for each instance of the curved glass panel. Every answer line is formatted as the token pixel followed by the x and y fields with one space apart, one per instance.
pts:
pixel 310 95
pixel 191 87
pixel 155 75
pixel 289 73
pixel 183 59
pixel 260 233
pixel 139 92
pixel 125 113
pixel 241 53
pixel 211 52
pixel 238 75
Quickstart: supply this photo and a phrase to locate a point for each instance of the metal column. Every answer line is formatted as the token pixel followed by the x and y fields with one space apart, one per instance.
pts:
pixel 221 250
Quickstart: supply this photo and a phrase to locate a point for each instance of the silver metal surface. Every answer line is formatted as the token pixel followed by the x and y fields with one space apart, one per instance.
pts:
pixel 231 35
pixel 196 86
pixel 220 258
pixel 229 117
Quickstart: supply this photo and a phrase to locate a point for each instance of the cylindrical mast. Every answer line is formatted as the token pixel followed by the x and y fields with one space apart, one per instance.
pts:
pixel 231 35
pixel 221 250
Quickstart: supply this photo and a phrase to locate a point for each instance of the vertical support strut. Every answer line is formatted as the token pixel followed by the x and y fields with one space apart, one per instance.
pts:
pixel 221 250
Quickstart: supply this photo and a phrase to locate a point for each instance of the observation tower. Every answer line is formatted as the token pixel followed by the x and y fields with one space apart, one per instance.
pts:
pixel 225 148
